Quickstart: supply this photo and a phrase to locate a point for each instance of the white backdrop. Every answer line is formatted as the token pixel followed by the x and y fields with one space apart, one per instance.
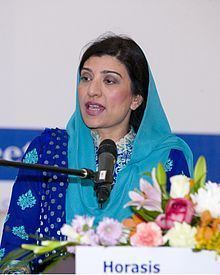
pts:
pixel 41 41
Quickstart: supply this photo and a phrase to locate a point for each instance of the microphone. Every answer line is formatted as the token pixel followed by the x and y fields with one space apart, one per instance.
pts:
pixel 107 155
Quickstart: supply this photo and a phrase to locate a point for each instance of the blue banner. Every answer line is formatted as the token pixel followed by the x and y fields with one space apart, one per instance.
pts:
pixel 13 143
pixel 209 147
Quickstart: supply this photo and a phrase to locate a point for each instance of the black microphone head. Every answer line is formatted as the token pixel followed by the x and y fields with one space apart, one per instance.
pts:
pixel 103 194
pixel 108 146
pixel 107 155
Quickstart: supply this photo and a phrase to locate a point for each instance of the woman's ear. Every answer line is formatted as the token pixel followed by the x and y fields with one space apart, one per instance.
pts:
pixel 136 102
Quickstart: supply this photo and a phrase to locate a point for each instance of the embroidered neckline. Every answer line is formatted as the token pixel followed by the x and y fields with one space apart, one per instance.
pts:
pixel 124 150
pixel 122 144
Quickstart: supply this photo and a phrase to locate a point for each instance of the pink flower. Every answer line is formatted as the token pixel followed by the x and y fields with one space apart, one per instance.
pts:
pixel 82 223
pixel 150 196
pixel 71 249
pixel 163 222
pixel 177 210
pixel 147 234
pixel 109 231
pixel 80 231
pixel 89 238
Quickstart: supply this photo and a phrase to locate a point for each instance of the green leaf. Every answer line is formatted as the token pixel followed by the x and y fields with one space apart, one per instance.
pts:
pixel 164 203
pixel 161 177
pixel 31 247
pixel 200 172
pixel 46 246
pixel 37 249
pixel 54 244
pixel 145 214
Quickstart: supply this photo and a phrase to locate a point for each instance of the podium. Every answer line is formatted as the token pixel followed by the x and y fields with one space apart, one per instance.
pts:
pixel 138 260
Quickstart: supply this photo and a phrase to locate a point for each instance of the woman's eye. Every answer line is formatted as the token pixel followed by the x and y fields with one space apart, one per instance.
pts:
pixel 110 81
pixel 84 78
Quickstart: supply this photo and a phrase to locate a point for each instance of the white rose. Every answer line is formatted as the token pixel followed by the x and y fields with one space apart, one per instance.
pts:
pixel 180 186
pixel 208 198
pixel 181 235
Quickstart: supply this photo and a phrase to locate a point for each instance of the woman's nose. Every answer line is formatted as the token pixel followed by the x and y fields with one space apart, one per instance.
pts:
pixel 94 88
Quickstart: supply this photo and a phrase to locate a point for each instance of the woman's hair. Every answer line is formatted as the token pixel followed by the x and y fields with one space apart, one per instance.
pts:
pixel 130 54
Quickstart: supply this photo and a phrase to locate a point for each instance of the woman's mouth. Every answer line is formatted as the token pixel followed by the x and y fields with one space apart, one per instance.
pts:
pixel 94 109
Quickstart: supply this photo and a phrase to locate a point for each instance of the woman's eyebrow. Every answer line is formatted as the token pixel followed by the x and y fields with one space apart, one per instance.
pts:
pixel 86 69
pixel 109 71
pixel 103 72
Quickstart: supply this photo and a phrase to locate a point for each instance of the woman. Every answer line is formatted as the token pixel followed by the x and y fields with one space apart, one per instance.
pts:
pixel 116 99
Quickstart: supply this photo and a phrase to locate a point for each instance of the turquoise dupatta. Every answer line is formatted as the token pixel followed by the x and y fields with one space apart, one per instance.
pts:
pixel 152 144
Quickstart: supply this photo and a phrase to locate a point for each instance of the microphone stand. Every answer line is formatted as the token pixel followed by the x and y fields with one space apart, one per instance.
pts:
pixel 99 178
pixel 83 173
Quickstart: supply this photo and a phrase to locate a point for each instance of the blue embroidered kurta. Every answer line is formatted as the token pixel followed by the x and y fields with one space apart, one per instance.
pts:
pixel 38 198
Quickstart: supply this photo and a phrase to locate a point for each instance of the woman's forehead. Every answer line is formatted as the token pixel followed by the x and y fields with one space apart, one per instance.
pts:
pixel 104 63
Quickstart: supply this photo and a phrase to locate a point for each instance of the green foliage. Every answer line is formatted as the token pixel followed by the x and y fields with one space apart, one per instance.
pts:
pixel 199 175
pixel 161 177
pixel 164 203
pixel 146 214
pixel 17 254
pixel 47 246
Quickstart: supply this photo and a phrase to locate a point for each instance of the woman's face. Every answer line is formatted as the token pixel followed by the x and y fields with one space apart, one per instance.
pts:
pixel 105 96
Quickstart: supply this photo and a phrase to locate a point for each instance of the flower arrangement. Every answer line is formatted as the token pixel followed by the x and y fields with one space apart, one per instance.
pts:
pixel 188 215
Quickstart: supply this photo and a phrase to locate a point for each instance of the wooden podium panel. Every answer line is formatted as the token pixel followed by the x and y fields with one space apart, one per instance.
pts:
pixel 66 266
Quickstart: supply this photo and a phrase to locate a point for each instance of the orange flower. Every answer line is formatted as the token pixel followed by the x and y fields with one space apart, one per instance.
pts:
pixel 216 225
pixel 191 183
pixel 199 234
pixel 203 237
pixel 204 234
pixel 208 233
pixel 206 218
pixel 132 223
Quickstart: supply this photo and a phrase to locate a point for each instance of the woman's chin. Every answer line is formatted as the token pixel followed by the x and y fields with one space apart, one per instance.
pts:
pixel 93 125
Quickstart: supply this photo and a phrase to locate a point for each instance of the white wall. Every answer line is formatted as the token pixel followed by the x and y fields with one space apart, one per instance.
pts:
pixel 41 41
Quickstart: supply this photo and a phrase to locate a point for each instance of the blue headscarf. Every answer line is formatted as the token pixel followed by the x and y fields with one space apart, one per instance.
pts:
pixel 152 144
